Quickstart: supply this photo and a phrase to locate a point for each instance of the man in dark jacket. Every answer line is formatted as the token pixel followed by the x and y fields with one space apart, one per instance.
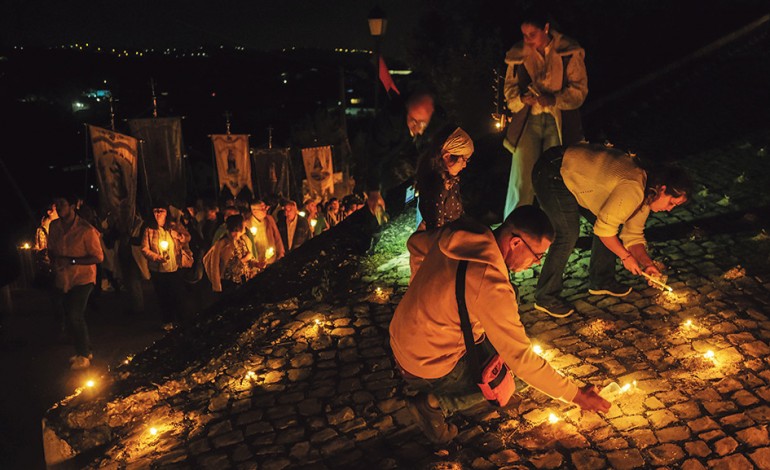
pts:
pixel 294 229
pixel 399 135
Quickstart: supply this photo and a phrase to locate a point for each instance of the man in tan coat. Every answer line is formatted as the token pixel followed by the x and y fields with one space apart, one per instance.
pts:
pixel 425 332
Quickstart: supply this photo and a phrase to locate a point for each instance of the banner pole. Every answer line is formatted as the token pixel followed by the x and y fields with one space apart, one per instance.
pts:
pixel 144 172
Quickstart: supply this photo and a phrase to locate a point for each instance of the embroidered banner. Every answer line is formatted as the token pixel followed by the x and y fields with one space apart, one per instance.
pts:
pixel 115 156
pixel 319 172
pixel 161 154
pixel 233 164
pixel 272 172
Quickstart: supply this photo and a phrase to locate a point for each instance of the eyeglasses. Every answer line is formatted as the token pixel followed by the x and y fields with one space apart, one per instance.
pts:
pixel 462 157
pixel 538 256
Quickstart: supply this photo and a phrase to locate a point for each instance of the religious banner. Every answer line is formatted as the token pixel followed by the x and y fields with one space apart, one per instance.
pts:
pixel 115 156
pixel 319 172
pixel 271 167
pixel 231 152
pixel 161 157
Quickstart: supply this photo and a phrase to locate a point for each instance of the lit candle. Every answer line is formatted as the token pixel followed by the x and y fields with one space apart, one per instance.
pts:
pixel 153 431
pixel 90 384
pixel 251 375
pixel 302 213
pixel 657 282
pixel 537 349
pixel 253 230
pixel 378 291
pixel 553 419
pixel 709 354
pixel 26 246
pixel 313 223
pixel 270 252
pixel 688 323
pixel 163 245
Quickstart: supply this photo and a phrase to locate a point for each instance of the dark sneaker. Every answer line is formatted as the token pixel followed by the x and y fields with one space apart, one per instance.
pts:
pixel 430 420
pixel 556 309
pixel 614 289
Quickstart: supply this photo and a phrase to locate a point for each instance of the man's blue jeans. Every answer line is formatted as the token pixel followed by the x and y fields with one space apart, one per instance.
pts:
pixel 564 211
pixel 74 303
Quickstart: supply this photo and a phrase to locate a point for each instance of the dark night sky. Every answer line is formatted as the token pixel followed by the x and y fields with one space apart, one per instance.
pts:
pixel 256 24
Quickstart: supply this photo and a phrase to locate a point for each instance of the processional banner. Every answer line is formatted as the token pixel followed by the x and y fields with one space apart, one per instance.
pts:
pixel 319 172
pixel 115 156
pixel 162 157
pixel 231 153
pixel 272 171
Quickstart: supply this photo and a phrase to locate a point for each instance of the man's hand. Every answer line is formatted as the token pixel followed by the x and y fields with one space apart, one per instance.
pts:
pixel 632 265
pixel 588 399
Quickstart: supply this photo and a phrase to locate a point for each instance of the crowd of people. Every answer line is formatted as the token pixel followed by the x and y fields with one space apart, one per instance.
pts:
pixel 76 251
pixel 416 151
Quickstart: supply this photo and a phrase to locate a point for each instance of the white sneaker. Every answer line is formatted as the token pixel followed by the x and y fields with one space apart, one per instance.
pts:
pixel 80 362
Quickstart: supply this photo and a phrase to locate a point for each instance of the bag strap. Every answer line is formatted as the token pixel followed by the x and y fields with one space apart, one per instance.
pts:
pixel 465 323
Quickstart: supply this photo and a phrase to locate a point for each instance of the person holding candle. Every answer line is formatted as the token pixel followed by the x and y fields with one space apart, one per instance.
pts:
pixel 263 233
pixel 162 247
pixel 314 216
pixel 611 189
pixel 229 263
pixel 74 249
pixel 425 332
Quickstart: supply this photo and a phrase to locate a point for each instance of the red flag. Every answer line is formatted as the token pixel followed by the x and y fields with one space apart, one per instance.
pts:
pixel 386 79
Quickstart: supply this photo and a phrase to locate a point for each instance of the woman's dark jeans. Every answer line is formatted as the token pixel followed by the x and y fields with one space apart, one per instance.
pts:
pixel 564 211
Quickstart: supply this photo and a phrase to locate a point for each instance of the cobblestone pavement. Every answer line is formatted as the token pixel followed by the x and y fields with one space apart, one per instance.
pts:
pixel 295 371
pixel 309 381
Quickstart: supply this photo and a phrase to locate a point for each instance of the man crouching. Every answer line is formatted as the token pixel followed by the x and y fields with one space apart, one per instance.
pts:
pixel 425 332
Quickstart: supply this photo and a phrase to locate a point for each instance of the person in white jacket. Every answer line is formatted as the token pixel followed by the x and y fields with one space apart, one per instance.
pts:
pixel 545 84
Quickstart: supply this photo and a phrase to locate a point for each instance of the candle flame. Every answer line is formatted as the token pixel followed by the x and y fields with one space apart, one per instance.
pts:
pixel 163 245
pixel 552 418
pixel 253 230
pixel 26 246
pixel 688 323
pixel 625 388
pixel 251 375
pixel 270 252
pixel 709 354
pixel 317 322
pixel 153 431
pixel 313 223
pixel 537 349
pixel 90 384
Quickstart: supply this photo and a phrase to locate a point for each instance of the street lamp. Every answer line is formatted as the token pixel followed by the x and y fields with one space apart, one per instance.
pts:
pixel 378 22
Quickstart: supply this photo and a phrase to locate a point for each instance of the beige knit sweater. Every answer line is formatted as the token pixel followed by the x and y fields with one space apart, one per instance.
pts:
pixel 611 185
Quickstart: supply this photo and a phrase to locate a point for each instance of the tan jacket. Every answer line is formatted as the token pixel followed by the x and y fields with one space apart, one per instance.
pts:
pixel 425 332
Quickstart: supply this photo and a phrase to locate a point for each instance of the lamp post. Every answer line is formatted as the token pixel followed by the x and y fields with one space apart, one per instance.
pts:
pixel 378 22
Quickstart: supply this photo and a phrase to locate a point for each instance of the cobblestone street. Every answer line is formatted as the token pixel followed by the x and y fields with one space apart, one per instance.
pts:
pixel 311 383
pixel 295 369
